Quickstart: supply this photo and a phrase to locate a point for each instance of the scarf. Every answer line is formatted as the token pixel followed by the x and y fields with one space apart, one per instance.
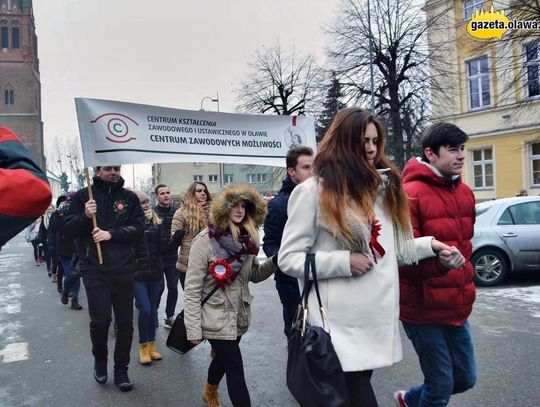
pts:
pixel 230 254
pixel 367 231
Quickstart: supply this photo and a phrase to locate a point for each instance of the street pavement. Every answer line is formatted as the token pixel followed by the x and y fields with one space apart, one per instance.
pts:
pixel 46 360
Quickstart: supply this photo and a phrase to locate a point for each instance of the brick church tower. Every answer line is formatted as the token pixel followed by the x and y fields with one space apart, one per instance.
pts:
pixel 20 87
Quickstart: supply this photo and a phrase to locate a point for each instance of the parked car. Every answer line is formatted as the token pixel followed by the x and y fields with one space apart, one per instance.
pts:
pixel 506 238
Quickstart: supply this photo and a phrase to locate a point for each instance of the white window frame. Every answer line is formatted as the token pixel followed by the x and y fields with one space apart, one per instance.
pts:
pixel 198 178
pixel 533 158
pixel 251 178
pixel 261 178
pixel 482 163
pixel 213 178
pixel 469 7
pixel 531 63
pixel 478 78
pixel 228 179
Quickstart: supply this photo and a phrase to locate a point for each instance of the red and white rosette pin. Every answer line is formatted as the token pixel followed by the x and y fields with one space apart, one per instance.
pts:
pixel 221 271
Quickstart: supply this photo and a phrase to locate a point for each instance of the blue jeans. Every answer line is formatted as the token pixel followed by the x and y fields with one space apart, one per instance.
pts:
pixel 447 361
pixel 146 295
pixel 71 282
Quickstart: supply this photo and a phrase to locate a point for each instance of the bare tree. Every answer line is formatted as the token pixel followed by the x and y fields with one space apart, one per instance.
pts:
pixel 400 59
pixel 280 83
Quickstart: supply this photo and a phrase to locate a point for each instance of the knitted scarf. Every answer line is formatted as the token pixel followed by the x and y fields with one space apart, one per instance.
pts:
pixel 366 232
pixel 233 252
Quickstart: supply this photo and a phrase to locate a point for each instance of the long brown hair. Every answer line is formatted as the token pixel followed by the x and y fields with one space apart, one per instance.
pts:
pixel 192 210
pixel 342 163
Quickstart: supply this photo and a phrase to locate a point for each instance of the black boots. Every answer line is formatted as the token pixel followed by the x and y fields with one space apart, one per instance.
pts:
pixel 122 381
pixel 100 373
pixel 64 297
pixel 75 304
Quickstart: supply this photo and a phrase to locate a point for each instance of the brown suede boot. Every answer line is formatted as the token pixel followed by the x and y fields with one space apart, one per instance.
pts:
pixel 154 354
pixel 210 395
pixel 144 355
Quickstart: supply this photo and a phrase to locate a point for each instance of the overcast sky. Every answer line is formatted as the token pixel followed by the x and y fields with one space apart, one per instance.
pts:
pixel 161 52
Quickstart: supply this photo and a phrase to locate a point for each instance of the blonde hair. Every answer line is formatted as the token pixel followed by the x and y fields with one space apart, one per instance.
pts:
pixel 250 227
pixel 193 211
pixel 144 197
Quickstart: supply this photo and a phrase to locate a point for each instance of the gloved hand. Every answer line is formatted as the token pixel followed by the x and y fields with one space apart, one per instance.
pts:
pixel 178 235
pixel 148 214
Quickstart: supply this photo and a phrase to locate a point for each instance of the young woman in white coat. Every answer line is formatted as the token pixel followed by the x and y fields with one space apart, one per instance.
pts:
pixel 353 214
pixel 225 254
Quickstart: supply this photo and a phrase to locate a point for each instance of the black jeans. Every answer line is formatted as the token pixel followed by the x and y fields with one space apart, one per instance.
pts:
pixel 360 391
pixel 289 295
pixel 171 276
pixel 106 291
pixel 228 361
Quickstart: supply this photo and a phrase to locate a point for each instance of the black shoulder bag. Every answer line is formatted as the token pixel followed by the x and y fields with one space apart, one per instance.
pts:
pixel 177 339
pixel 314 374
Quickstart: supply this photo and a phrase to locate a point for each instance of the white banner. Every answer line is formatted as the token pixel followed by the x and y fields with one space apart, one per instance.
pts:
pixel 128 133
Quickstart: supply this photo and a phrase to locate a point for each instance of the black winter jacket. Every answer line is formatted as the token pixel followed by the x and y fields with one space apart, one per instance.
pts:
pixel 119 213
pixel 275 223
pixel 62 245
pixel 148 264
pixel 166 213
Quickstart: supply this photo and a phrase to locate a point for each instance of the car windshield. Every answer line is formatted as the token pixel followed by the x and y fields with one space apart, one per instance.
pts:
pixel 483 207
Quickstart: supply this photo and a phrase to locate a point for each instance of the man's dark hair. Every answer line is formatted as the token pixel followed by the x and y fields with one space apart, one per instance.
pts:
pixel 295 152
pixel 160 186
pixel 442 134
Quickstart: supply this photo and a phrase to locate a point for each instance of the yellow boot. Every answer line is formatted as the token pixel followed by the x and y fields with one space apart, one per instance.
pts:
pixel 210 395
pixel 154 354
pixel 144 355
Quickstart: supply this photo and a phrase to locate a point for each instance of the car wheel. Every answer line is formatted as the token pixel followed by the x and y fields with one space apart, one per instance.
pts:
pixel 490 267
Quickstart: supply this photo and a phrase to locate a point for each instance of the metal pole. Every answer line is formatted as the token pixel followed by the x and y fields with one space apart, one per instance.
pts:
pixel 371 57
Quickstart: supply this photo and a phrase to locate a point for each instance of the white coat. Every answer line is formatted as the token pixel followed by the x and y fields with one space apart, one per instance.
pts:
pixel 363 311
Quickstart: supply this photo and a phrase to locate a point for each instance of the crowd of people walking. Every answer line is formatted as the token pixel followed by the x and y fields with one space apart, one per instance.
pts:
pixel 387 248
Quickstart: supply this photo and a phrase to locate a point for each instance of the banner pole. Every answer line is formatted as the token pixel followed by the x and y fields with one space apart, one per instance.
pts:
pixel 94 220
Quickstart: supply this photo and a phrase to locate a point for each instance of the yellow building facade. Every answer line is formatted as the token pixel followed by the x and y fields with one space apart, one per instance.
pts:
pixel 491 90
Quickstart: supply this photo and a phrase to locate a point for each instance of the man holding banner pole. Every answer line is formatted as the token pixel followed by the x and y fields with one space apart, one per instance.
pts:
pixel 120 223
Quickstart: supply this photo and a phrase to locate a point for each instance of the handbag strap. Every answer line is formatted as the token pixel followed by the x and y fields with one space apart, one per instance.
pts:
pixel 310 264
pixel 209 295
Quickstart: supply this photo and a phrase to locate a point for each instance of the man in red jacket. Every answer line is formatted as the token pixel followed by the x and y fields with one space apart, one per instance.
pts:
pixel 435 302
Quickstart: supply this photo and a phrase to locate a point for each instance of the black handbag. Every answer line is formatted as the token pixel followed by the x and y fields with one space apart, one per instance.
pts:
pixel 177 339
pixel 314 374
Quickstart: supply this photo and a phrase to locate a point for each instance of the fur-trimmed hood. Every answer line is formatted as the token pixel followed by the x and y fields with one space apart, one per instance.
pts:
pixel 230 196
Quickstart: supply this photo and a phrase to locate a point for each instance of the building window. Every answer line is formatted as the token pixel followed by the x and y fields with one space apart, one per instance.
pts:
pixel 479 82
pixel 229 178
pixel 198 178
pixel 533 68
pixel 212 178
pixel 198 164
pixel 9 97
pixel 261 178
pixel 483 168
pixel 251 178
pixel 535 163
pixel 469 7
pixel 15 35
pixel 4 33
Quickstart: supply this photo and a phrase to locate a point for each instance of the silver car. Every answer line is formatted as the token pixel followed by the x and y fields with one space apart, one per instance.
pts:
pixel 506 238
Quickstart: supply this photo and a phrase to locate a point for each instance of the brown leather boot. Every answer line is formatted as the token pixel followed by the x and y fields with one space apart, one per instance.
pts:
pixel 144 355
pixel 210 395
pixel 154 354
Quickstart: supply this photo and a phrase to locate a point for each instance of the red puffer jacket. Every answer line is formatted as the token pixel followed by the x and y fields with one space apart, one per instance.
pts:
pixel 443 208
